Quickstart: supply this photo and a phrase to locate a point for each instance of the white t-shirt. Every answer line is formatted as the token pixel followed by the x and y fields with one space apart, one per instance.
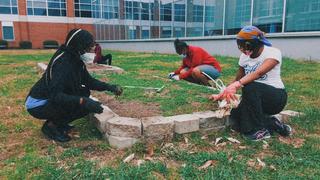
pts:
pixel 272 77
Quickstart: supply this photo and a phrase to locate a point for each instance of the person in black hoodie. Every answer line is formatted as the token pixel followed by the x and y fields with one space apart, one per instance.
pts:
pixel 62 94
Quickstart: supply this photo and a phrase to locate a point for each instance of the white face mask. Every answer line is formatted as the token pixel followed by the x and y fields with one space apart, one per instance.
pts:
pixel 183 56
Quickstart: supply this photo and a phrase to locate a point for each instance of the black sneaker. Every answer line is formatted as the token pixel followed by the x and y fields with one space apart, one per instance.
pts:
pixel 258 135
pixel 52 132
pixel 281 128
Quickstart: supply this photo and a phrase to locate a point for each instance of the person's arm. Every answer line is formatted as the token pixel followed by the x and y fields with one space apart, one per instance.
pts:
pixel 183 65
pixel 95 84
pixel 266 66
pixel 195 61
pixel 240 74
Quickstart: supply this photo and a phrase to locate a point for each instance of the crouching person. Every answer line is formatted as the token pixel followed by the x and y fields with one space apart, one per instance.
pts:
pixel 263 92
pixel 195 62
pixel 62 94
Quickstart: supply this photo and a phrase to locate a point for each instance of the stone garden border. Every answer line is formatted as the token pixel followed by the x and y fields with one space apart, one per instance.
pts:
pixel 123 132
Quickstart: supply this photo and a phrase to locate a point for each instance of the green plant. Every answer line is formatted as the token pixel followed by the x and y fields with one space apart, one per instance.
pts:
pixel 3 44
pixel 50 44
pixel 25 44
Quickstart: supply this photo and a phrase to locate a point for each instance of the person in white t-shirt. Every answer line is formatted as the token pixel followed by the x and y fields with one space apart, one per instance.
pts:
pixel 263 92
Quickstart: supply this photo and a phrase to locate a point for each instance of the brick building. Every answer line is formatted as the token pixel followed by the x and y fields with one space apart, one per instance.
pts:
pixel 40 20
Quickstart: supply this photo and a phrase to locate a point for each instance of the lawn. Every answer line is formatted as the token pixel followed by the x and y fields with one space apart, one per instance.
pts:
pixel 26 154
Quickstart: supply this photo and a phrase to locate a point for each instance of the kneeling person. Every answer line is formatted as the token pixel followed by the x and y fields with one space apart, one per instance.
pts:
pixel 195 61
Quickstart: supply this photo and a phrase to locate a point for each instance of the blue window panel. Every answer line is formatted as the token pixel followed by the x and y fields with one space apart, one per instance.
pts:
pixel 5 10
pixel 54 5
pixel 30 11
pixel 4 2
pixel 7 33
pixel 63 13
pixel 40 12
pixel 54 12
pixel 14 10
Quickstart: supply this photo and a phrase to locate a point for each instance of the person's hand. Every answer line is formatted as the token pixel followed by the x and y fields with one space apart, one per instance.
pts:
pixel 117 90
pixel 92 105
pixel 170 75
pixel 175 77
pixel 228 93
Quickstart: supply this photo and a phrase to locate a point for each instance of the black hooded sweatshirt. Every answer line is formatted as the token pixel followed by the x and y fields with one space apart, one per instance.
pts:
pixel 66 79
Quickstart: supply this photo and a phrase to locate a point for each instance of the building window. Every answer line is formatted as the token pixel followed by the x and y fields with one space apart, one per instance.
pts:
pixel 7 31
pixel 166 11
pixel 110 9
pixel 145 11
pixel 238 14
pixel 179 12
pixel 87 8
pixel 267 15
pixel 46 7
pixel 8 7
pixel 302 16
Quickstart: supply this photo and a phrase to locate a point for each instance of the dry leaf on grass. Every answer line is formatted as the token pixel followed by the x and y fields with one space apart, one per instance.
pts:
pixel 272 167
pixel 233 140
pixel 265 145
pixel 140 161
pixel 295 142
pixel 128 158
pixel 242 147
pixel 217 141
pixel 261 163
pixel 186 140
pixel 207 164
pixel 148 158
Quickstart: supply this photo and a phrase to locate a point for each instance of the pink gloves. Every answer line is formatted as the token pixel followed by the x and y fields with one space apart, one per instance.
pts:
pixel 228 93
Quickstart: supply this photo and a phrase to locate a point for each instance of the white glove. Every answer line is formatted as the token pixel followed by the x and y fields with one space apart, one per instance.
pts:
pixel 175 77
pixel 170 75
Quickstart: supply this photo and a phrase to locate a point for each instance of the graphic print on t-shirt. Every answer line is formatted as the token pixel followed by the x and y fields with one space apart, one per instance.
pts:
pixel 249 69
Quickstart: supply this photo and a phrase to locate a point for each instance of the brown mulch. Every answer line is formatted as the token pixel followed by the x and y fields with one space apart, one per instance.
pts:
pixel 134 109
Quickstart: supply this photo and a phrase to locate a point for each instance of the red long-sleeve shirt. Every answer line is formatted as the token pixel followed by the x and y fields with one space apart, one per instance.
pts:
pixel 98 56
pixel 196 56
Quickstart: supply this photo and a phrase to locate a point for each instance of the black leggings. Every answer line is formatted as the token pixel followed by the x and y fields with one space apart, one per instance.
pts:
pixel 259 102
pixel 58 113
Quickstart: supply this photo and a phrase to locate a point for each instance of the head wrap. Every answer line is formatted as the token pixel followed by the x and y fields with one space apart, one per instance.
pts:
pixel 252 32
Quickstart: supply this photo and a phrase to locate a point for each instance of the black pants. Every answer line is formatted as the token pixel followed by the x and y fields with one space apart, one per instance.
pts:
pixel 58 113
pixel 107 59
pixel 259 102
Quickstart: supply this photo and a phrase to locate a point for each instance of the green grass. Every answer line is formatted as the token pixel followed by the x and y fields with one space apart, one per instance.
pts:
pixel 26 154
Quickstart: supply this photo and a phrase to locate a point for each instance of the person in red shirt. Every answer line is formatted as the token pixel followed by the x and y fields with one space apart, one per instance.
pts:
pixel 99 58
pixel 195 61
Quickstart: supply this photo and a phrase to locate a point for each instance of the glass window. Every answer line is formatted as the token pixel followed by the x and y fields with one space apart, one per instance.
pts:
pixel 145 32
pixel 179 18
pixel 7 33
pixel 238 14
pixel 166 10
pixel 128 10
pixel 195 18
pixel 302 15
pixel 109 9
pixel 8 7
pixel 165 32
pixel 145 11
pixel 87 8
pixel 213 17
pixel 267 15
pixel 46 7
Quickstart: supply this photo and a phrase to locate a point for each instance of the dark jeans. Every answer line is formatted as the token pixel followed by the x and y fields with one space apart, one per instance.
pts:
pixel 259 102
pixel 59 114
pixel 107 59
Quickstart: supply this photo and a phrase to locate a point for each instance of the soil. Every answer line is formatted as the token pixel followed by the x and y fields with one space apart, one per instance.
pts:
pixel 132 109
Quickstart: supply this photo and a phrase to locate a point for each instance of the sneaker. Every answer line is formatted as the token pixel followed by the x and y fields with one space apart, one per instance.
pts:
pixel 52 132
pixel 258 135
pixel 281 128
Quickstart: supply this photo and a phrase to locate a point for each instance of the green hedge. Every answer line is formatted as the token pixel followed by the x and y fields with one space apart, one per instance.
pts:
pixel 25 45
pixel 48 44
pixel 3 44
